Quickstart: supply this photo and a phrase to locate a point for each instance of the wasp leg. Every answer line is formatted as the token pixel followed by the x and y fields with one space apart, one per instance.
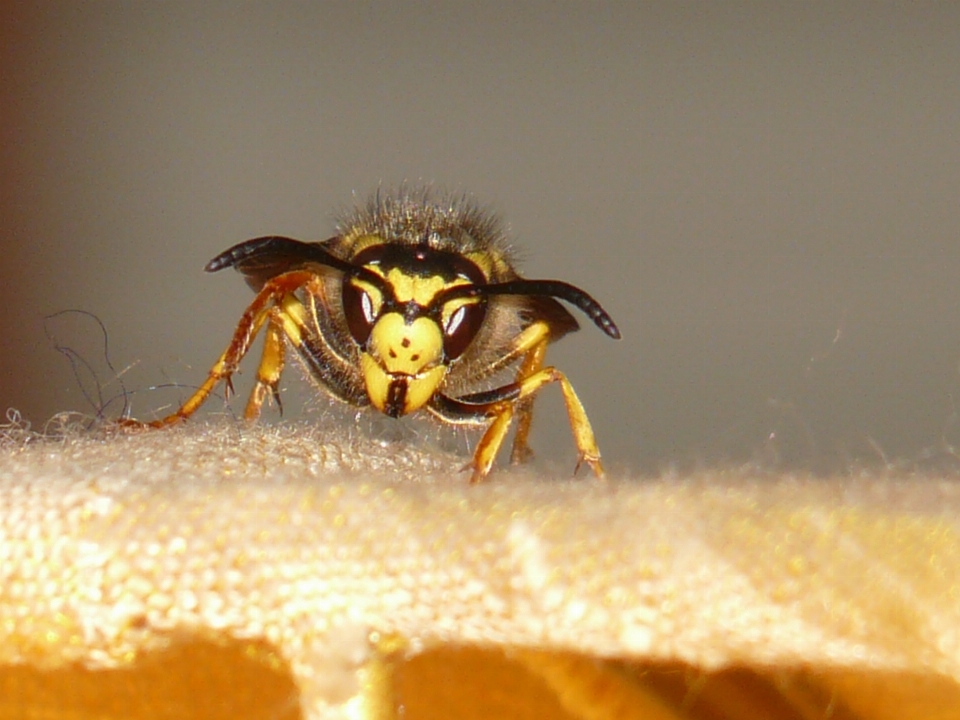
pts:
pixel 286 320
pixel 501 404
pixel 531 345
pixel 274 292
pixel 477 409
pixel 268 371
pixel 537 337
pixel 583 436
pixel 489 445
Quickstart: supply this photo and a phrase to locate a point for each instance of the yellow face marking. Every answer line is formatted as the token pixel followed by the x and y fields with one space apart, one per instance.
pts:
pixel 418 388
pixel 405 354
pixel 421 290
pixel 377 381
pixel 406 349
pixel 422 388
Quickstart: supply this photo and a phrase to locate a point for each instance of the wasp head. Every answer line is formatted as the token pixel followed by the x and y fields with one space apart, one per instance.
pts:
pixel 408 326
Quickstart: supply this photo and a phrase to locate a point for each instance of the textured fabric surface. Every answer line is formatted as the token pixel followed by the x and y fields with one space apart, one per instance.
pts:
pixel 280 572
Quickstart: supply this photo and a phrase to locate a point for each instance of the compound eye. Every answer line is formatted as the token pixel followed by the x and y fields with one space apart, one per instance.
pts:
pixel 461 327
pixel 358 307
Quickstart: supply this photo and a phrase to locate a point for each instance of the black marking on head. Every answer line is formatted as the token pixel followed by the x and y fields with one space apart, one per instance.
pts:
pixel 420 261
pixel 396 398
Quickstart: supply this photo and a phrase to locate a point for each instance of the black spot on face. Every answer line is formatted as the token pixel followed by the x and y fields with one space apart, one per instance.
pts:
pixel 405 342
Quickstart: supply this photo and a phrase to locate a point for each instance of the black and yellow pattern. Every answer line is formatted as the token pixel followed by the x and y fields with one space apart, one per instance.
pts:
pixel 413 305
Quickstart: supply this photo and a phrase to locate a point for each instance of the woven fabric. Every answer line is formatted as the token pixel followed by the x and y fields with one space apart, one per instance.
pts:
pixel 277 572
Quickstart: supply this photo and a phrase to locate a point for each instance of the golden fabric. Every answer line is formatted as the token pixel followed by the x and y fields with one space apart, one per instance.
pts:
pixel 277 572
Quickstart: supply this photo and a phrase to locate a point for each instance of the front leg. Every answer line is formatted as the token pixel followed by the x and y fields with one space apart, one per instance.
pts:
pixel 272 294
pixel 530 347
pixel 477 409
pixel 500 405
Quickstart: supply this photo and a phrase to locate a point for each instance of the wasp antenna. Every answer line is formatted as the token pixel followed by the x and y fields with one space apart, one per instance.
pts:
pixel 551 288
pixel 592 309
pixel 270 245
pixel 283 253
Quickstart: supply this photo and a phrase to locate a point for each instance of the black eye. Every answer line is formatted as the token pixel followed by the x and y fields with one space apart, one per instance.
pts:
pixel 358 309
pixel 462 327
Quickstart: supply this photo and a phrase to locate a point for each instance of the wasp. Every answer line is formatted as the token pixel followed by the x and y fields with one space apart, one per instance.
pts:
pixel 414 304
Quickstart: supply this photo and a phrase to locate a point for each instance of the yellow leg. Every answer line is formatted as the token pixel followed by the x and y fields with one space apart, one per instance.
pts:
pixel 503 412
pixel 269 370
pixel 275 302
pixel 531 364
pixel 286 320
pixel 490 443
pixel 583 436
pixel 223 369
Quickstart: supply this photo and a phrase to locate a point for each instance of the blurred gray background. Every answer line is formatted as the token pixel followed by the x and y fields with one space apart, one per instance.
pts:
pixel 765 196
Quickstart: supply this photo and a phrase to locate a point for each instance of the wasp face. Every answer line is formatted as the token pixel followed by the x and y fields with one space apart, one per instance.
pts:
pixel 409 334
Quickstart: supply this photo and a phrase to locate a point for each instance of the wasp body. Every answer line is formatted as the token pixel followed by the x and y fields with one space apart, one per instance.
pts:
pixel 413 305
